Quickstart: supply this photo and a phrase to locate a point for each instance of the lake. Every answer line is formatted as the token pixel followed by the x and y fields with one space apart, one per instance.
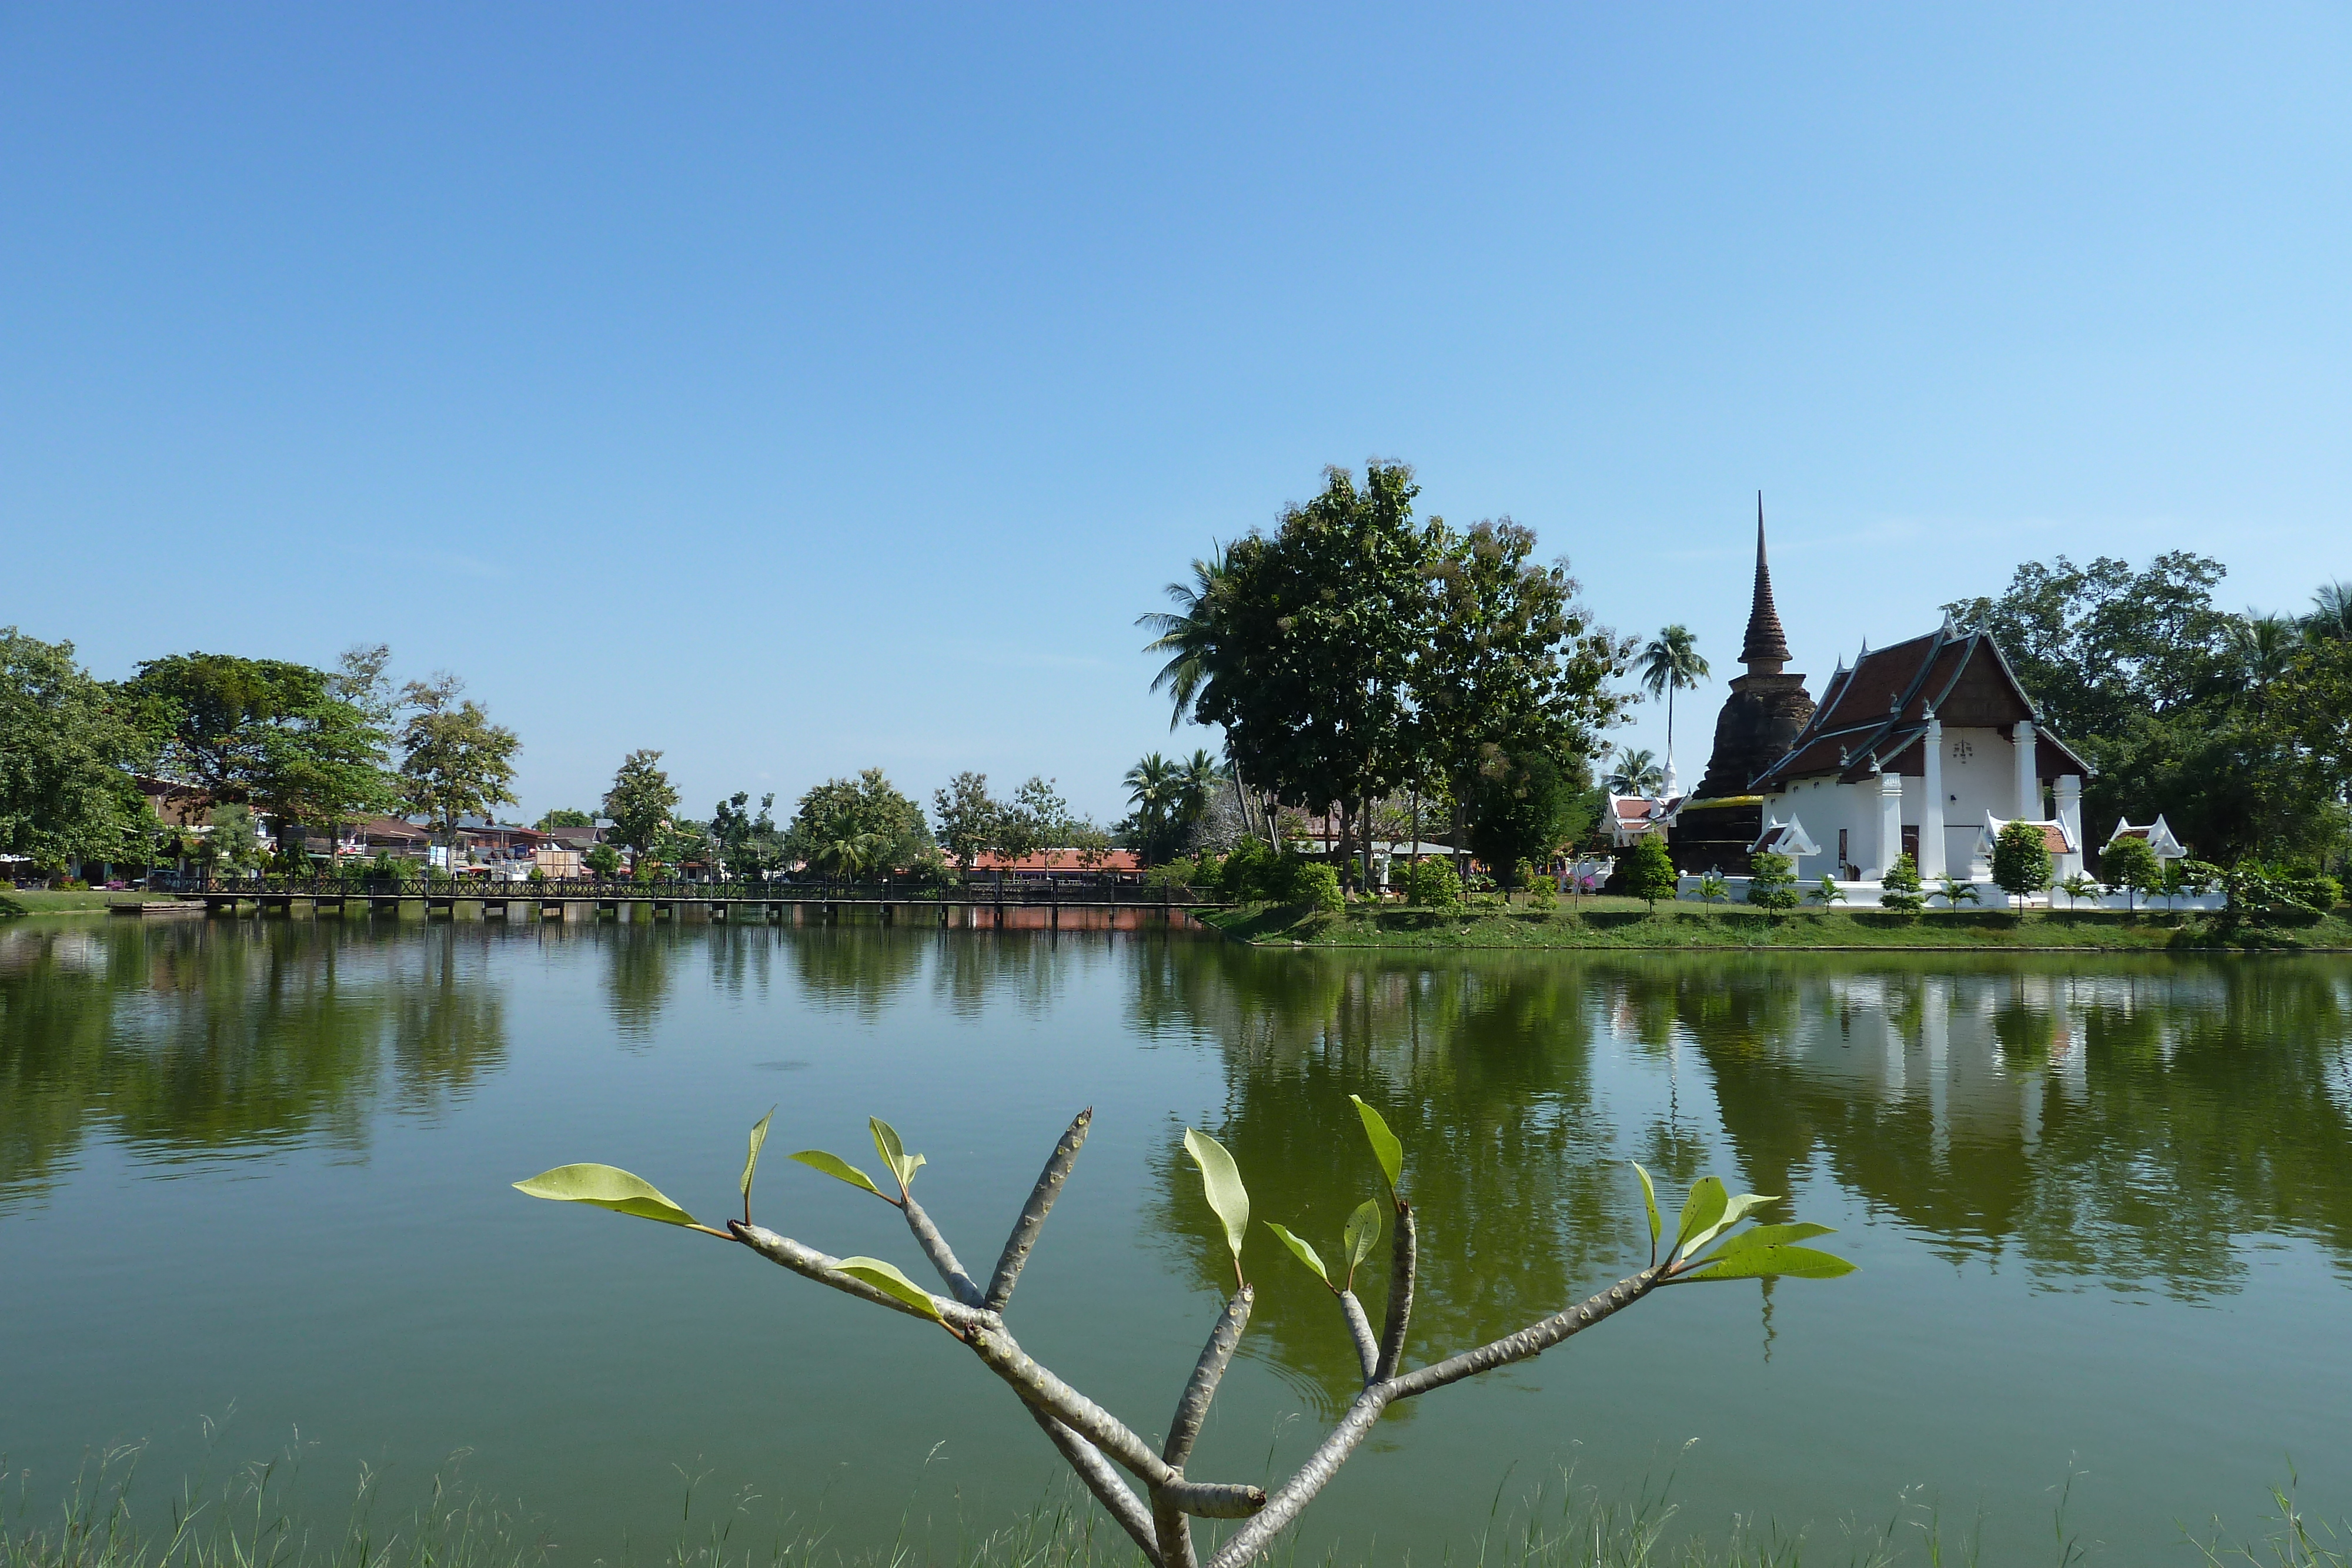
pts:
pixel 254 1193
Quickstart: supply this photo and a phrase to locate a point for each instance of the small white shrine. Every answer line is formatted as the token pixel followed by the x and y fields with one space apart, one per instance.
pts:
pixel 2158 834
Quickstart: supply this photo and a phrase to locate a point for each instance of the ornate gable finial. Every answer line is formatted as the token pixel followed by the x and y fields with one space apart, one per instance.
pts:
pixel 1765 650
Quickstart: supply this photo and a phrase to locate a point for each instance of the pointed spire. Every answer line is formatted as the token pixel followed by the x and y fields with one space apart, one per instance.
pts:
pixel 1766 649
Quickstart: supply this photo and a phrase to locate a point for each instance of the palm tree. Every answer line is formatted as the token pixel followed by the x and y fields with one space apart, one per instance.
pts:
pixel 2331 611
pixel 1195 781
pixel 1153 788
pixel 1636 772
pixel 843 858
pixel 1189 634
pixel 2266 647
pixel 1671 663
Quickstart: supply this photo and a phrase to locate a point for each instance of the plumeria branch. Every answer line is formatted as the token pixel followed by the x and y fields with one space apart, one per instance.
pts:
pixel 1098 1445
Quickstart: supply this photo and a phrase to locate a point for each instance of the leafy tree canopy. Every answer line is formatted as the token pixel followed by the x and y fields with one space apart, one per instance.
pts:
pixel 852 825
pixel 455 762
pixel 563 817
pixel 640 801
pixel 66 749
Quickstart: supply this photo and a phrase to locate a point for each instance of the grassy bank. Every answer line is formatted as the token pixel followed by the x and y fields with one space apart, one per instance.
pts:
pixel 1625 923
pixel 248 1523
pixel 16 901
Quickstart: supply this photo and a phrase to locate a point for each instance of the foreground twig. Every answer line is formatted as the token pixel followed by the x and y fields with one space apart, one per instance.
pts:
pixel 1098 1445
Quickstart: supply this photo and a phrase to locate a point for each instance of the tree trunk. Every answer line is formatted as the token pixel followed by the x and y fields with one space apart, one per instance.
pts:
pixel 1371 887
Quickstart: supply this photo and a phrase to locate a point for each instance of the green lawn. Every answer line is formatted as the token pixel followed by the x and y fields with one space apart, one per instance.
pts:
pixel 15 901
pixel 1629 923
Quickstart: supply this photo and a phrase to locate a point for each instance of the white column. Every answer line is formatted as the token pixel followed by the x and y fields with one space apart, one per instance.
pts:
pixel 2070 812
pixel 1890 823
pixel 1931 805
pixel 2029 779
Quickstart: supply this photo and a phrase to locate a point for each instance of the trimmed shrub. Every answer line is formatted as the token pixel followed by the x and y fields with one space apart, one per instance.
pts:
pixel 1316 886
pixel 2021 861
pixel 1772 881
pixel 1649 870
pixel 1431 884
pixel 1899 887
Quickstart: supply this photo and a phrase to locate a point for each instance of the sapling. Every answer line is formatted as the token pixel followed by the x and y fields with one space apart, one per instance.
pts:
pixel 1097 1444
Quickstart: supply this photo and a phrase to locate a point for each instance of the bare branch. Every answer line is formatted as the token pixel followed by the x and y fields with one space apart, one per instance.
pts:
pixel 1104 1482
pixel 1048 1393
pixel 1533 1340
pixel 1253 1537
pixel 942 1256
pixel 1402 1255
pixel 1174 1531
pixel 1193 1407
pixel 809 1263
pixel 1359 1329
pixel 1213 1500
pixel 1033 1213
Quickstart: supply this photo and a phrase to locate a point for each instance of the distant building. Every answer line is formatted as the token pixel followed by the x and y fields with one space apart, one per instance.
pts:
pixel 1925 747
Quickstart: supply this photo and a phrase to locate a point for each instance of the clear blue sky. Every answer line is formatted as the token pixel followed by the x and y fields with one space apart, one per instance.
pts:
pixel 795 392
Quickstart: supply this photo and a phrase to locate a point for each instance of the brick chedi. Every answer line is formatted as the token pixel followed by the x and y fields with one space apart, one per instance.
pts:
pixel 1768 709
pixel 1766 712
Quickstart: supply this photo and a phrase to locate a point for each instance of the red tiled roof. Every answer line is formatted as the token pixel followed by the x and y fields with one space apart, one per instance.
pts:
pixel 1876 712
pixel 1062 861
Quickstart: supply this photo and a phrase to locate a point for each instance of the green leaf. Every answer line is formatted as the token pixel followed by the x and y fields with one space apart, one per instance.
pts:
pixel 840 1169
pixel 1649 1197
pixel 1768 1236
pixel 902 1165
pixel 1774 1262
pixel 887 1278
pixel 606 1187
pixel 1222 1180
pixel 751 1160
pixel 1737 1210
pixel 1385 1147
pixel 1305 1253
pixel 1363 1233
pixel 1705 1205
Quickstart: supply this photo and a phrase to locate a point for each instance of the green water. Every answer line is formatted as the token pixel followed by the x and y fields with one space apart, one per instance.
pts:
pixel 258 1173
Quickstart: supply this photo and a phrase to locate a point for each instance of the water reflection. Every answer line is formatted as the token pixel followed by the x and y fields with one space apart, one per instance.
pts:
pixel 2125 1124
pixel 191 1040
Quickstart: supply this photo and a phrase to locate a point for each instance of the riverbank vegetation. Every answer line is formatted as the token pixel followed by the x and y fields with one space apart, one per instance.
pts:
pixel 253 1521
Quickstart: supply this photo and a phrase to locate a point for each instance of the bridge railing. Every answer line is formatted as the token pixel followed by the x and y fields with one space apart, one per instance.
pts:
pixel 1027 893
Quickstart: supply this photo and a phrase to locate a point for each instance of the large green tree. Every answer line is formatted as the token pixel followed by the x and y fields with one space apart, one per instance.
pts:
pixel 454 761
pixel 964 815
pixel 846 826
pixel 1514 667
pixel 67 750
pixel 303 745
pixel 641 800
pixel 1311 673
pixel 2214 720
pixel 748 846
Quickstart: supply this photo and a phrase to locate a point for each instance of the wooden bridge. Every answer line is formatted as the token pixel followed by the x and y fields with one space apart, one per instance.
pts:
pixel 734 902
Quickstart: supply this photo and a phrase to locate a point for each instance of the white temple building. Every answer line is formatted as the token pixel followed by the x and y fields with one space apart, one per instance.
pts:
pixel 1919 749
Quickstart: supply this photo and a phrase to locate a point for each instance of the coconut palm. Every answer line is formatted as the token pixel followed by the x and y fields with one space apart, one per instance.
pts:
pixel 843 858
pixel 1189 634
pixel 1668 664
pixel 1153 788
pixel 1636 772
pixel 1195 781
pixel 2266 647
pixel 2331 611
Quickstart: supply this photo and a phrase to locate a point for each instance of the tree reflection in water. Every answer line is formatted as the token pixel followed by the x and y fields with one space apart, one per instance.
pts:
pixel 2122 1124
pixel 197 1038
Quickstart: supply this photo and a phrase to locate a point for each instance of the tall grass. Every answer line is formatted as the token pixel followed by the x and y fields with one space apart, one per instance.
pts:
pixel 248 1522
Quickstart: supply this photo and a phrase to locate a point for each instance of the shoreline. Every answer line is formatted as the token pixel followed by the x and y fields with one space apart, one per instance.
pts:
pixel 1682 929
